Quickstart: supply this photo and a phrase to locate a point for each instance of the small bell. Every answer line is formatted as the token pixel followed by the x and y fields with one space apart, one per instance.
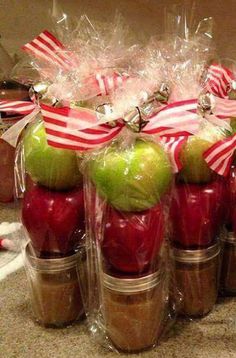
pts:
pixel 39 89
pixel 232 90
pixel 205 104
pixel 136 119
pixel 163 94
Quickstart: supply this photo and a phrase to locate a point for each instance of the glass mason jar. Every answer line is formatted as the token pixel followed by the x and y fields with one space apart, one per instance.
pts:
pixel 55 291
pixel 228 268
pixel 134 310
pixel 197 278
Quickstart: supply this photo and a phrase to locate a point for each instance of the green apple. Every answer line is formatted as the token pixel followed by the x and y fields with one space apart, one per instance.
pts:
pixel 233 125
pixel 195 169
pixel 53 168
pixel 134 178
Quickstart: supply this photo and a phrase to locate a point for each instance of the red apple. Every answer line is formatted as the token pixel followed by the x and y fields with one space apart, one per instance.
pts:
pixel 231 200
pixel 132 241
pixel 54 220
pixel 196 213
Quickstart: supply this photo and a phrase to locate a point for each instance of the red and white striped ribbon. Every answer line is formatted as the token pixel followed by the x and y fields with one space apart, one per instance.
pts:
pixel 224 108
pixel 218 80
pixel 219 157
pixel 82 130
pixel 49 48
pixel 76 129
pixel 173 146
pixel 20 107
pixel 175 119
pixel 107 84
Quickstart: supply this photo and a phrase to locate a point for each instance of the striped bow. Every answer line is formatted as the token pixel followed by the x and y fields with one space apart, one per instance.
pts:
pixel 81 129
pixel 48 48
pixel 20 107
pixel 218 80
pixel 219 157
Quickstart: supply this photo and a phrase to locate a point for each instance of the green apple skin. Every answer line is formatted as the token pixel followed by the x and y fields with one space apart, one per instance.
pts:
pixel 195 170
pixel 233 125
pixel 132 179
pixel 56 169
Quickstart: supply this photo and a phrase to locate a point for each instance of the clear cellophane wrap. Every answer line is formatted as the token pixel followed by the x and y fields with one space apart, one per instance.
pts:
pixel 70 74
pixel 197 209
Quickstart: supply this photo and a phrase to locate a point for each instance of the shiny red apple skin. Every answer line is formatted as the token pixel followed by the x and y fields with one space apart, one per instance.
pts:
pixel 53 220
pixel 231 200
pixel 132 241
pixel 197 213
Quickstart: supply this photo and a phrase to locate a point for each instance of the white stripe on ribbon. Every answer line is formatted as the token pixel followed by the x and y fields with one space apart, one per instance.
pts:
pixel 224 107
pixel 109 83
pixel 173 147
pixel 78 133
pixel 49 51
pixel 101 84
pixel 220 155
pixel 181 116
pixel 64 129
pixel 218 80
pixel 215 68
pixel 21 107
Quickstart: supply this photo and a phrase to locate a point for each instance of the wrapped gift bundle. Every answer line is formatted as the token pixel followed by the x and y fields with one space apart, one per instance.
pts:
pixel 125 170
pixel 197 204
pixel 220 157
pixel 72 79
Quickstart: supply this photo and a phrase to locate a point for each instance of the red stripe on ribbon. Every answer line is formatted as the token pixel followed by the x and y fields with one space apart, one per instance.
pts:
pixel 49 48
pixel 218 80
pixel 173 147
pixel 21 107
pixel 107 84
pixel 80 129
pixel 219 157
pixel 175 119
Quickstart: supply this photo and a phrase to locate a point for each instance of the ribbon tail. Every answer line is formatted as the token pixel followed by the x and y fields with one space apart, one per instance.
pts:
pixel 219 157
pixel 11 136
pixel 173 146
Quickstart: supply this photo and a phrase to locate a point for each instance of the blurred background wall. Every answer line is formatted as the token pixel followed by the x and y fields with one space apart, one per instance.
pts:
pixel 20 20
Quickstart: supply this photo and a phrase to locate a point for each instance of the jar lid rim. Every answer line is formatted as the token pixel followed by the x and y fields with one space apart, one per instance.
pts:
pixel 50 265
pixel 196 256
pixel 230 237
pixel 132 285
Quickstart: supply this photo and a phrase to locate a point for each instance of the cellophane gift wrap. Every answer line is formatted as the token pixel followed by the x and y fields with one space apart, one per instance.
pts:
pixel 9 90
pixel 197 209
pixel 220 83
pixel 128 177
pixel 48 157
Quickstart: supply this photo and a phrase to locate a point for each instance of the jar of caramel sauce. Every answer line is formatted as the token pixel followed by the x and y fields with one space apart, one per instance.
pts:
pixel 55 290
pixel 197 279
